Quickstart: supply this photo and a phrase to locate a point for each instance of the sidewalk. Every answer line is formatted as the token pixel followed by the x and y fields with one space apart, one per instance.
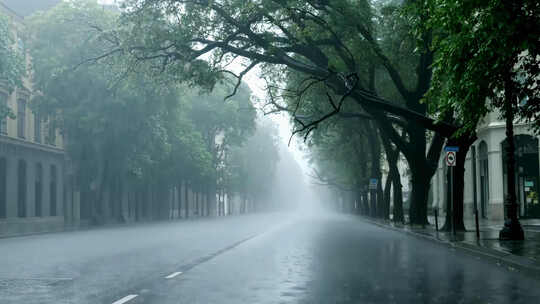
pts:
pixel 523 255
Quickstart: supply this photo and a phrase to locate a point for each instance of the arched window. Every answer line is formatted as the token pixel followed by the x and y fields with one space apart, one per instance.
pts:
pixel 21 118
pixel 3 192
pixel 51 136
pixel 39 189
pixel 21 201
pixel 53 190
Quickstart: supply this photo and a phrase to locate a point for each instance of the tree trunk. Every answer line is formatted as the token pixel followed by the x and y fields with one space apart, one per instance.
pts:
pixel 219 203
pixel 464 144
pixel 186 199
pixel 358 205
pixel 398 198
pixel 386 198
pixel 393 173
pixel 211 200
pixel 392 156
pixel 419 197
pixel 196 203
pixel 512 229
pixel 203 203
pixel 179 199
pixel 375 155
pixel 365 201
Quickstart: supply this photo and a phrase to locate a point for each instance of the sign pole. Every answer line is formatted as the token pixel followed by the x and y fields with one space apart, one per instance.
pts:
pixel 373 182
pixel 436 219
pixel 451 160
pixel 452 201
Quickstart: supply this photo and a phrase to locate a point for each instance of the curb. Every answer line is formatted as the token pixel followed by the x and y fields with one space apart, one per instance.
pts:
pixel 510 261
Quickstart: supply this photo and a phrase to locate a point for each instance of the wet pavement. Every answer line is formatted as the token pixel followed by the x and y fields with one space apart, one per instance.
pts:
pixel 489 236
pixel 272 258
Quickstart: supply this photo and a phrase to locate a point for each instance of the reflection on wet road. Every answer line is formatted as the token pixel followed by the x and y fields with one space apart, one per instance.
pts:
pixel 338 259
pixel 316 259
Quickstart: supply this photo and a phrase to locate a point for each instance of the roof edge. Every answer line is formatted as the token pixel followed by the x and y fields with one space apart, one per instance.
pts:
pixel 11 11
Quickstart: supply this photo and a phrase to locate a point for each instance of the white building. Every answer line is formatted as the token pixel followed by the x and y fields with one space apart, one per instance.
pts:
pixel 491 172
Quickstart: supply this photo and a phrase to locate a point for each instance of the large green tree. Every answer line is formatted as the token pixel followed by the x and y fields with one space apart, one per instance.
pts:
pixel 127 129
pixel 12 60
pixel 488 57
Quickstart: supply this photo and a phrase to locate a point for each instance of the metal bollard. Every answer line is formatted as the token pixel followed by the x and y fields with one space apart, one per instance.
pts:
pixel 436 211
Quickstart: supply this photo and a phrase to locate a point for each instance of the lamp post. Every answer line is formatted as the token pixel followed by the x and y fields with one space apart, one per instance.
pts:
pixel 512 228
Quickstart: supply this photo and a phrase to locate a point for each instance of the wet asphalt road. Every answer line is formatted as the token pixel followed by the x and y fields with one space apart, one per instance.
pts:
pixel 272 258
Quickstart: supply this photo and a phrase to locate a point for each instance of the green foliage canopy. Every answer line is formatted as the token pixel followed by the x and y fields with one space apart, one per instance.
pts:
pixel 479 44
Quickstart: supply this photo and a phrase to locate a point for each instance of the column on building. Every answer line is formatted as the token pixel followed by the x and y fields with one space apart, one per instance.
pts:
pixel 468 208
pixel 496 178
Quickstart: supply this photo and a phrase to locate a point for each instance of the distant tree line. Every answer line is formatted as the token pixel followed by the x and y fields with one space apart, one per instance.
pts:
pixel 138 131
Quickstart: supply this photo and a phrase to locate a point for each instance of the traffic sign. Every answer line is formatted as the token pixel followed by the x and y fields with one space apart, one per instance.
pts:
pixel 451 148
pixel 451 158
pixel 373 183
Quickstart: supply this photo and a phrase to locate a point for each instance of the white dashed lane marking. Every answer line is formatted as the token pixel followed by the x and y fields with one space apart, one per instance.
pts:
pixel 125 299
pixel 174 274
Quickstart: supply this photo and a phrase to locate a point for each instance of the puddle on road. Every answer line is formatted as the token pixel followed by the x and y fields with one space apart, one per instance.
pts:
pixel 296 272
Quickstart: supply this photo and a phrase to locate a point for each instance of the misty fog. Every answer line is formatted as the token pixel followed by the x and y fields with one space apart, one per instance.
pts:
pixel 264 151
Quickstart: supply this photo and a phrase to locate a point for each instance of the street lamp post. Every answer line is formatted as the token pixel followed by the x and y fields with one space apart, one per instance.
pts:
pixel 512 229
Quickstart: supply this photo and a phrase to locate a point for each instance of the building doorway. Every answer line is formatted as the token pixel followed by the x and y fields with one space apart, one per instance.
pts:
pixel 39 190
pixel 52 191
pixel 527 175
pixel 21 195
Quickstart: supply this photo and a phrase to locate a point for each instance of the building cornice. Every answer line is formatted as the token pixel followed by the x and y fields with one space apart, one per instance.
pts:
pixel 30 145
pixel 498 125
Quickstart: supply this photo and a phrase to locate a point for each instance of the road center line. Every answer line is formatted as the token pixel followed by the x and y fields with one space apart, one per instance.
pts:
pixel 125 299
pixel 174 274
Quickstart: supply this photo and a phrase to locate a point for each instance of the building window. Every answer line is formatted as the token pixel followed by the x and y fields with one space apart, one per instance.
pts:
pixel 3 113
pixel 21 202
pixel 53 190
pixel 39 189
pixel 51 137
pixel 37 128
pixel 21 117
pixel 3 188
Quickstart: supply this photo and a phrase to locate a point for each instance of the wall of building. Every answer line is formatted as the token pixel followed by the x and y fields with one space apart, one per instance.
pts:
pixel 22 162
pixel 32 168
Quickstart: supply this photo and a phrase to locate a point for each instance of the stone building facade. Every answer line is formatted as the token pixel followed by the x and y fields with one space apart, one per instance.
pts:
pixel 31 162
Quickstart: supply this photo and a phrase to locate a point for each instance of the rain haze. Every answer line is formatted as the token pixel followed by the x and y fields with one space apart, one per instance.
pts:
pixel 239 151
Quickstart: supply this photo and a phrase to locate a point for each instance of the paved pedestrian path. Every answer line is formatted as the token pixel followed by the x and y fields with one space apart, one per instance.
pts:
pixel 524 254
